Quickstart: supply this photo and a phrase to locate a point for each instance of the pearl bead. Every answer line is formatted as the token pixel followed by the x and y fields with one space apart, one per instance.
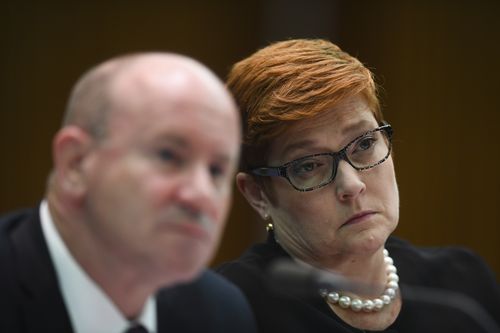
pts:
pixel 378 304
pixel 393 277
pixel 356 304
pixel 368 305
pixel 393 284
pixel 390 292
pixel 333 297
pixel 345 302
pixel 391 269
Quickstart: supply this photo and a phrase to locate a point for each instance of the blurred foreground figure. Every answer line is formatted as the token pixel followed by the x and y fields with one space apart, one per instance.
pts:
pixel 134 208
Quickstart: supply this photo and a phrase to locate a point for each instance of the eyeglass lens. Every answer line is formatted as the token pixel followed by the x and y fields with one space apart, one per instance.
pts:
pixel 318 170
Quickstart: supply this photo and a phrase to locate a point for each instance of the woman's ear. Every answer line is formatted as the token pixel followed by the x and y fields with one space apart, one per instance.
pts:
pixel 254 194
pixel 69 148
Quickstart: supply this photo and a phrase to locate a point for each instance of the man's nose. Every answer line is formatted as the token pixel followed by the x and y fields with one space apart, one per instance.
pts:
pixel 348 183
pixel 198 191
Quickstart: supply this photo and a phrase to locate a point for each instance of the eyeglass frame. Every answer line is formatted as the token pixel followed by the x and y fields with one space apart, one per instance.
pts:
pixel 281 171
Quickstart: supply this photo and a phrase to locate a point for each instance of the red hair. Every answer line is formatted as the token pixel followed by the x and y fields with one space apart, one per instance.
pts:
pixel 292 80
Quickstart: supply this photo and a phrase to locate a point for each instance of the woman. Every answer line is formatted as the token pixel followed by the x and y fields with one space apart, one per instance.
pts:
pixel 317 165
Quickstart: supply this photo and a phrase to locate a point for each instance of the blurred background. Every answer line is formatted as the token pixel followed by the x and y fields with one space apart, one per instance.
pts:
pixel 437 61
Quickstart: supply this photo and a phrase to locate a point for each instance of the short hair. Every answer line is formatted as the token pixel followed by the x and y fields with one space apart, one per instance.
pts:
pixel 88 105
pixel 293 80
pixel 90 102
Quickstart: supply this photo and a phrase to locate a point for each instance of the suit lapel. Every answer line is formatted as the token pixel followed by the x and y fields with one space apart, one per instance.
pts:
pixel 43 308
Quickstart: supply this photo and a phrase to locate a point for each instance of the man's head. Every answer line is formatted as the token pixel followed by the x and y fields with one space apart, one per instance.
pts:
pixel 144 163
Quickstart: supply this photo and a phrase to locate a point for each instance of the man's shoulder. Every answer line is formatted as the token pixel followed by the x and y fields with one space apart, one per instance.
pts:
pixel 12 230
pixel 12 225
pixel 16 229
pixel 12 220
pixel 210 302
pixel 209 279
pixel 209 287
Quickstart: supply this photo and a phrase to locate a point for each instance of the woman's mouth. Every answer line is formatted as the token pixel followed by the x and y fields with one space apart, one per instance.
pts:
pixel 359 217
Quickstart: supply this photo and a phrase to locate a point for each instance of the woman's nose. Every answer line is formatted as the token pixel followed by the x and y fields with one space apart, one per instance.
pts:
pixel 348 183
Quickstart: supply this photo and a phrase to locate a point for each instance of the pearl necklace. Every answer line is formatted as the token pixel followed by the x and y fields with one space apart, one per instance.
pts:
pixel 368 305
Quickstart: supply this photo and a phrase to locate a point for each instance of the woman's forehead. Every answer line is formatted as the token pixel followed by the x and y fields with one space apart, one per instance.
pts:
pixel 332 127
pixel 341 119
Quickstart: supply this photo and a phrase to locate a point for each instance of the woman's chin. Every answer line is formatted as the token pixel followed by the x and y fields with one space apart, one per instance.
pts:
pixel 367 242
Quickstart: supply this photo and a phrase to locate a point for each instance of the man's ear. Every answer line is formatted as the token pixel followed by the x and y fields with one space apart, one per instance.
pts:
pixel 254 194
pixel 69 148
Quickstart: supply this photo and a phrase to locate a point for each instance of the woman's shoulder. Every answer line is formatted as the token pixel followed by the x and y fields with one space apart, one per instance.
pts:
pixel 449 268
pixel 256 258
pixel 447 260
pixel 250 272
pixel 254 261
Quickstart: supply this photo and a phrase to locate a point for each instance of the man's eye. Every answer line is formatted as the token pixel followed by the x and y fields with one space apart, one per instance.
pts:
pixel 217 171
pixel 168 155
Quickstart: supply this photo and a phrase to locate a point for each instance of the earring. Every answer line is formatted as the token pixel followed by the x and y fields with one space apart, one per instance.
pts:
pixel 269 225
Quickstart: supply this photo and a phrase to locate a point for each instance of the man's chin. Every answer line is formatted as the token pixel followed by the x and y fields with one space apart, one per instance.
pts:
pixel 189 268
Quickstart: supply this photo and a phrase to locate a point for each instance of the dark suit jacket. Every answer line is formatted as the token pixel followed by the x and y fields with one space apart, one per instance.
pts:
pixel 31 301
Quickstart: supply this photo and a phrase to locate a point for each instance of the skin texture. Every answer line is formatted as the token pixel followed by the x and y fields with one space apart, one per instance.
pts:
pixel 320 227
pixel 144 206
pixel 312 226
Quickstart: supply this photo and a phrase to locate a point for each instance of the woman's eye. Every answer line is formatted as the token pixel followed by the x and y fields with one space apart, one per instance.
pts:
pixel 305 167
pixel 364 144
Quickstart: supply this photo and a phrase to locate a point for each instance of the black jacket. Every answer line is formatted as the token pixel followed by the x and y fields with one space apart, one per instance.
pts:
pixel 443 269
pixel 31 300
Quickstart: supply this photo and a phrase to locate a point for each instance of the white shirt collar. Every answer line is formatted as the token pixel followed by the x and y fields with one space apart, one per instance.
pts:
pixel 89 308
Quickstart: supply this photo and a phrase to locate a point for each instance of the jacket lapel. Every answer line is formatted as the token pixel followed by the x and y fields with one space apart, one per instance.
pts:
pixel 42 305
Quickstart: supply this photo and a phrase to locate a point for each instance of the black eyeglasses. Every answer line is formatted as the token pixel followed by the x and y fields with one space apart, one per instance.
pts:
pixel 314 171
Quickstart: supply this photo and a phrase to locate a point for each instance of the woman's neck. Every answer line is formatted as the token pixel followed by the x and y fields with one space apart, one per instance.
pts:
pixel 365 269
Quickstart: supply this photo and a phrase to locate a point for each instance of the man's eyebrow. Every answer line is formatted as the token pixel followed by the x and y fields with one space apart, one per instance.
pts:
pixel 183 143
pixel 175 139
pixel 223 158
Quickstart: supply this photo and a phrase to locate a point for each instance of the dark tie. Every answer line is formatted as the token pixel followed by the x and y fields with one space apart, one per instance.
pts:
pixel 136 328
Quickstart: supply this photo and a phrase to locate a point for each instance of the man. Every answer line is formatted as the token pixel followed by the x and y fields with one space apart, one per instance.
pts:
pixel 134 208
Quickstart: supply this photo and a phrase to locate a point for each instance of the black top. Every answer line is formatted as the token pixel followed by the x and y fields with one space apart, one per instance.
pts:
pixel 447 269
pixel 31 300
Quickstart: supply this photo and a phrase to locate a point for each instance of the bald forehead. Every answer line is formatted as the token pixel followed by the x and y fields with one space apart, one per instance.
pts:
pixel 142 78
pixel 174 77
pixel 165 68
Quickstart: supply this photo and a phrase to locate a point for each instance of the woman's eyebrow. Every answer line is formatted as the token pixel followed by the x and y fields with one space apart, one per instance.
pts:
pixel 348 131
pixel 354 127
pixel 300 144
